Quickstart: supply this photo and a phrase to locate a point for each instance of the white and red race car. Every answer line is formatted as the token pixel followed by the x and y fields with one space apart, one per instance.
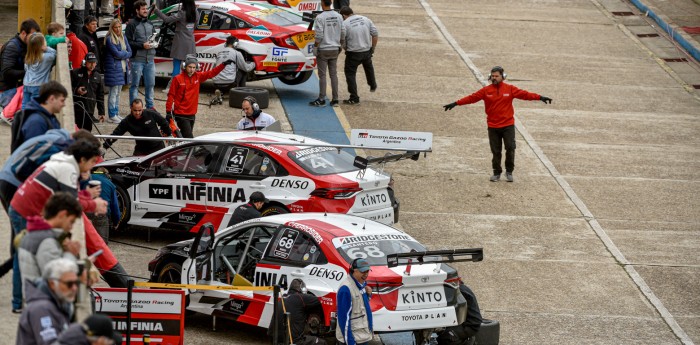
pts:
pixel 184 186
pixel 422 296
pixel 277 39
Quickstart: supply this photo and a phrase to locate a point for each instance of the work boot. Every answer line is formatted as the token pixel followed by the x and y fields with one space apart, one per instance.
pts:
pixel 495 177
pixel 509 176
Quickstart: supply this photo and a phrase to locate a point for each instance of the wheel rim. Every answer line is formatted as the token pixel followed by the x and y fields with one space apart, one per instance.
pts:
pixel 170 275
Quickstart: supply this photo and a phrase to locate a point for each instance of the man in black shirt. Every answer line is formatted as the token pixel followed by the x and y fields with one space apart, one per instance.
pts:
pixel 300 305
pixel 142 123
pixel 250 210
pixel 88 91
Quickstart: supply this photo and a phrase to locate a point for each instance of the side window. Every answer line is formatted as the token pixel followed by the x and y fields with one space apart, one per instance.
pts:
pixel 295 247
pixel 202 159
pixel 222 21
pixel 193 159
pixel 248 161
pixel 172 161
pixel 240 24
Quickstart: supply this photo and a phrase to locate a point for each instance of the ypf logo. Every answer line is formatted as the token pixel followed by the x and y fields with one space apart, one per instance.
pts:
pixel 276 51
pixel 363 135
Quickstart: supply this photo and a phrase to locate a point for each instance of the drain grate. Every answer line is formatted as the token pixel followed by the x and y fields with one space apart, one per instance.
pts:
pixel 675 60
pixel 647 35
pixel 622 14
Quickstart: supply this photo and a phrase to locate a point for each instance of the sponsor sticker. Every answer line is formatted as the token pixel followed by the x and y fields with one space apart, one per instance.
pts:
pixel 304 38
pixel 258 33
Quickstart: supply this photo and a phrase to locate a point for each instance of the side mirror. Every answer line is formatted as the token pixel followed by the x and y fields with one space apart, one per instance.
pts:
pixel 203 242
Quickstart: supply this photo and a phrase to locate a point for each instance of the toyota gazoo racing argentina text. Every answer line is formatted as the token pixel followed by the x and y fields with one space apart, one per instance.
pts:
pixel 184 186
pixel 413 290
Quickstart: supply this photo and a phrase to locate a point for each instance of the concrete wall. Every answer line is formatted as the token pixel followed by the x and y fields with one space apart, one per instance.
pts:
pixel 61 70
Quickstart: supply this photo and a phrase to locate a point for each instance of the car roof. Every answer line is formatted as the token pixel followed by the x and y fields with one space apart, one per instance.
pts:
pixel 333 225
pixel 265 137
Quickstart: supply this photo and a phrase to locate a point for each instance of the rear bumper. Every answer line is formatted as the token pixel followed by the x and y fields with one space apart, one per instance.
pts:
pixel 382 215
pixel 409 320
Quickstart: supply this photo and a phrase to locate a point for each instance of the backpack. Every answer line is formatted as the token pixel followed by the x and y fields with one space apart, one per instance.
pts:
pixel 16 138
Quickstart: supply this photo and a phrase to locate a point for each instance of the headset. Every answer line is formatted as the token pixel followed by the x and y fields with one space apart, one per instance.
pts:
pixel 233 41
pixel 498 69
pixel 353 265
pixel 253 103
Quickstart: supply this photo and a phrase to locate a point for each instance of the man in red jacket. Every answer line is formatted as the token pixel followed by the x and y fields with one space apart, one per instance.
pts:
pixel 183 96
pixel 498 100
pixel 76 50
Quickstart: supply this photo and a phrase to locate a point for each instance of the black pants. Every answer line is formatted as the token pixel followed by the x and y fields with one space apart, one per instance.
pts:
pixel 82 119
pixel 352 61
pixel 310 340
pixel 186 125
pixel 498 137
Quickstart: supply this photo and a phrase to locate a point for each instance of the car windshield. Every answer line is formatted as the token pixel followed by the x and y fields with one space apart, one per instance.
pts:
pixel 323 160
pixel 277 16
pixel 375 248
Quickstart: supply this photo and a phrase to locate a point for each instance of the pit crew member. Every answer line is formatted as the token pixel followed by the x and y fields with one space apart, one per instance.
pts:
pixel 250 210
pixel 142 123
pixel 327 26
pixel 359 38
pixel 354 313
pixel 299 305
pixel 498 100
pixel 183 96
pixel 235 74
pixel 253 117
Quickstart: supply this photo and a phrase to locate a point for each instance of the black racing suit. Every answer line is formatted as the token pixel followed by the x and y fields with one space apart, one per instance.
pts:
pixel 299 306
pixel 150 124
pixel 243 213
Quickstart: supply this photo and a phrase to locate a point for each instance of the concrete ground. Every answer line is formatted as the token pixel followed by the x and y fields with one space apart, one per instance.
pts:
pixel 596 242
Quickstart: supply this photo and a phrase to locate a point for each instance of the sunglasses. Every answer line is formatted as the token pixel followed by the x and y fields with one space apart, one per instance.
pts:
pixel 70 283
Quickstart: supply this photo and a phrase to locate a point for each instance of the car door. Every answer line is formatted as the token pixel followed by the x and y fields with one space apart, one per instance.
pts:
pixel 235 256
pixel 243 170
pixel 173 191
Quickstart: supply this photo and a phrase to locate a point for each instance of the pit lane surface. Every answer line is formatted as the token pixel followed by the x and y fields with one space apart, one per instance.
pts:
pixel 622 134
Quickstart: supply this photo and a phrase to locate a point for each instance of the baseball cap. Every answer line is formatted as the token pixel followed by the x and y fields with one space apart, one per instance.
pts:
pixel 258 197
pixel 100 325
pixel 362 265
pixel 90 57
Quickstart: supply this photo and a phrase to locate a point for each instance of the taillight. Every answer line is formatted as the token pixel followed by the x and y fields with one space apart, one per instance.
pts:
pixel 284 41
pixel 336 193
pixel 453 282
pixel 383 287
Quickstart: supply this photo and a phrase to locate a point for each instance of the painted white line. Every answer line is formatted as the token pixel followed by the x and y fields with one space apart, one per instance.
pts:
pixel 587 215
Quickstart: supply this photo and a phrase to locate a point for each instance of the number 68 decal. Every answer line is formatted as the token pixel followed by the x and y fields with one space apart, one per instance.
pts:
pixel 364 252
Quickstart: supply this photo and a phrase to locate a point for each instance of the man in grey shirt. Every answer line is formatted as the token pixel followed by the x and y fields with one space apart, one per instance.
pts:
pixel 328 26
pixel 359 38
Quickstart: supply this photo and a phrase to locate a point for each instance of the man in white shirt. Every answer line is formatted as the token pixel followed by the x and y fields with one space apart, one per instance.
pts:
pixel 327 26
pixel 359 38
pixel 253 117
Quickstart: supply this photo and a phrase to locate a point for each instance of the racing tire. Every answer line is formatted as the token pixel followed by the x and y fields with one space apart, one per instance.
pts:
pixel 296 79
pixel 237 94
pixel 489 333
pixel 272 210
pixel 124 204
pixel 171 273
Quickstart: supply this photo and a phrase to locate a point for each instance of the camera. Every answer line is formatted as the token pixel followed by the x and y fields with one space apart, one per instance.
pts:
pixel 152 41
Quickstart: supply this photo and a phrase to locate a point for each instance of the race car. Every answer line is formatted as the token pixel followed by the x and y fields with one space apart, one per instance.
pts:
pixel 277 39
pixel 184 186
pixel 413 290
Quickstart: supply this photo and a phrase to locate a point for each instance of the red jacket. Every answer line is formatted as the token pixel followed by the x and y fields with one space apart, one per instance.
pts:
pixel 77 52
pixel 59 174
pixel 498 101
pixel 184 91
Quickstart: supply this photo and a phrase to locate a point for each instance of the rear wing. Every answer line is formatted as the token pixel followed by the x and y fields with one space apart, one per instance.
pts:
pixel 436 256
